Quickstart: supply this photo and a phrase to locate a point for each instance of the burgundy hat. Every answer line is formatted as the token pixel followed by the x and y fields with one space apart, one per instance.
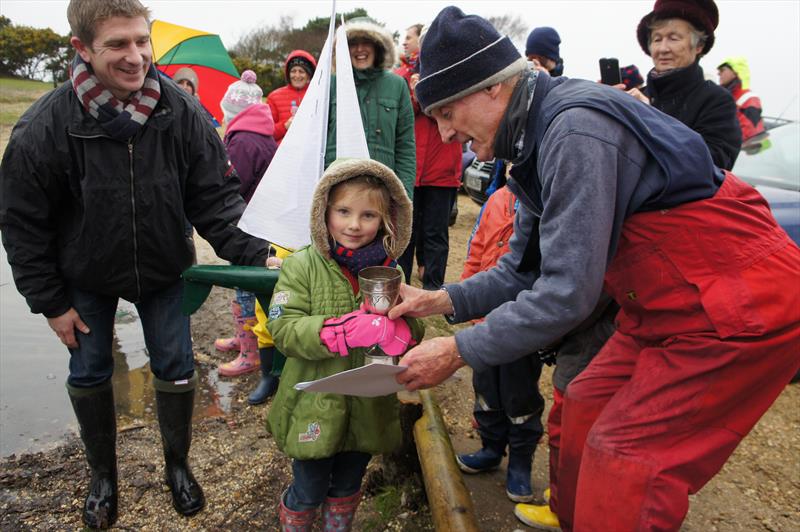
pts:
pixel 702 14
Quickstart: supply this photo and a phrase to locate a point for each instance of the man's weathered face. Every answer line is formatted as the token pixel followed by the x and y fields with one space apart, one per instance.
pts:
pixel 474 117
pixel 120 54
pixel 671 45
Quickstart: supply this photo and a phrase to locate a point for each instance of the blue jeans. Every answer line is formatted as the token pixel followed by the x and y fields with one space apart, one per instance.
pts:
pixel 337 476
pixel 166 334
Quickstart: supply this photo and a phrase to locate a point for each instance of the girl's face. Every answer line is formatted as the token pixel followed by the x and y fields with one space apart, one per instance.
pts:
pixel 353 216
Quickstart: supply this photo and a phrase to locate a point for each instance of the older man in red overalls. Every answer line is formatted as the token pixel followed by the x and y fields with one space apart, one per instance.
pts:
pixel 617 197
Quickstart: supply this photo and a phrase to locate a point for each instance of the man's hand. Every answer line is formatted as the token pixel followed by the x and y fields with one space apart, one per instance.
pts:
pixel 418 303
pixel 430 363
pixel 64 326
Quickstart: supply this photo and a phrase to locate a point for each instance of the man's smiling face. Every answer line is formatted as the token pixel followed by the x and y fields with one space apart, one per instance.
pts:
pixel 120 54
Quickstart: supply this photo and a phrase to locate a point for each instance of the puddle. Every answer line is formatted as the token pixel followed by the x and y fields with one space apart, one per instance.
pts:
pixel 35 412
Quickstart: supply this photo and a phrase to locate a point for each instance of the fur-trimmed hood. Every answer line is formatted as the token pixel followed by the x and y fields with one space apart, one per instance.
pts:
pixel 342 170
pixel 380 36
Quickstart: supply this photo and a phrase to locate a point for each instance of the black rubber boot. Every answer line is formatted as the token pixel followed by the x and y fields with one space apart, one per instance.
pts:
pixel 268 384
pixel 94 408
pixel 175 422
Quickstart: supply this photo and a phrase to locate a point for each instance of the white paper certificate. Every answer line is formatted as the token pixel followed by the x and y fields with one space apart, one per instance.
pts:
pixel 372 380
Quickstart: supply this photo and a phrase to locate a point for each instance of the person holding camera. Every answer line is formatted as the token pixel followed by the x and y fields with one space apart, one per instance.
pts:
pixel 677 34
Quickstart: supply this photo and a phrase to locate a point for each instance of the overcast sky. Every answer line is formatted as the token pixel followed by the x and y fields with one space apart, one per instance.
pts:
pixel 767 32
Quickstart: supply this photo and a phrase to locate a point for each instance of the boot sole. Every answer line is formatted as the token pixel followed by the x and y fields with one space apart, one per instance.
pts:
pixel 190 512
pixel 536 525
pixel 471 470
pixel 236 373
pixel 519 498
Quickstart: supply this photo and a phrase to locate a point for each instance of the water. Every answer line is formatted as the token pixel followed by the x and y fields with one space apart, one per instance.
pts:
pixel 35 412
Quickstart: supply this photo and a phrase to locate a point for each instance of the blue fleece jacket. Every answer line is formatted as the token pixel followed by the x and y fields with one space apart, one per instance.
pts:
pixel 591 157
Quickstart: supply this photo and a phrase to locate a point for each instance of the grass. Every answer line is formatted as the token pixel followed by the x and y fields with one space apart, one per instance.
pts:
pixel 16 95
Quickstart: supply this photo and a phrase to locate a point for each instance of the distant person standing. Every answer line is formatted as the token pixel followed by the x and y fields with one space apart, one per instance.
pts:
pixel 384 101
pixel 677 34
pixel 284 101
pixel 250 144
pixel 96 185
pixel 734 75
pixel 508 406
pixel 542 49
pixel 437 180
pixel 186 78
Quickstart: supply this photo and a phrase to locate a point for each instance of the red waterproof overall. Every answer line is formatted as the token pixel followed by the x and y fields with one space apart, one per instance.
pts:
pixel 707 337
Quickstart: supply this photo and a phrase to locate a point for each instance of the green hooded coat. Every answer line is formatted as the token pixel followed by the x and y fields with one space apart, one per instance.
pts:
pixel 311 289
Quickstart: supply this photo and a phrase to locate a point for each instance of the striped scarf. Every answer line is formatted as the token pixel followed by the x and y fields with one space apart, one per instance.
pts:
pixel 355 260
pixel 121 120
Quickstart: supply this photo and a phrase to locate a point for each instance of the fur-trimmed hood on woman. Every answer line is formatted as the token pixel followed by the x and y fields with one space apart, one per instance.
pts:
pixel 365 28
pixel 342 170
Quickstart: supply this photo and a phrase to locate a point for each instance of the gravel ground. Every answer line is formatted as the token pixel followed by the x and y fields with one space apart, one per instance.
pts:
pixel 243 473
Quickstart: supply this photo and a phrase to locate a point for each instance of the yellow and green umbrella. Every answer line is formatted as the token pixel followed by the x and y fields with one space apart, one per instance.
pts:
pixel 175 47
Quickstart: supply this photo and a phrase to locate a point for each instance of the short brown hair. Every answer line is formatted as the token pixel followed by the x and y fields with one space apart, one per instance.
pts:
pixel 84 15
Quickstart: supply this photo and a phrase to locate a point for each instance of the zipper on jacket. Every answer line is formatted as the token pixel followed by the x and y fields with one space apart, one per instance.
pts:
pixel 133 223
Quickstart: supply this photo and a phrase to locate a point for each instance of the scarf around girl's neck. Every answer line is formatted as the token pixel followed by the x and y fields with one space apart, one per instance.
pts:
pixel 121 120
pixel 355 260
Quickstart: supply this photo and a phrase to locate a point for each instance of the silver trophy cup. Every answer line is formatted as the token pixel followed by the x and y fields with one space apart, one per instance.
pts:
pixel 380 288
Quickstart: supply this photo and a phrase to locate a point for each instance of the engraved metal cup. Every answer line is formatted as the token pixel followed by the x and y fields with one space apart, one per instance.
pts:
pixel 380 287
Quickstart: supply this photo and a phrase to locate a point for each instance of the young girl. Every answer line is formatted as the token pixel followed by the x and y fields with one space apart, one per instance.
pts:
pixel 361 216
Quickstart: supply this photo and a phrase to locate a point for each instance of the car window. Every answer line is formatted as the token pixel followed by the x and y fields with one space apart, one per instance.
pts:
pixel 774 160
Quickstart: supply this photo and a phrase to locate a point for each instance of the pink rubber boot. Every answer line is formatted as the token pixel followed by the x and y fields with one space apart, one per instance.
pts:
pixel 338 512
pixel 232 344
pixel 292 521
pixel 248 359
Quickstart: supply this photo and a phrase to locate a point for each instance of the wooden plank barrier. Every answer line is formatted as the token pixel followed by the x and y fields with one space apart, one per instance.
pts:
pixel 448 497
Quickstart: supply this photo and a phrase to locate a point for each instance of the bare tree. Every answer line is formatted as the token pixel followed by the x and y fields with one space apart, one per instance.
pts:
pixel 511 25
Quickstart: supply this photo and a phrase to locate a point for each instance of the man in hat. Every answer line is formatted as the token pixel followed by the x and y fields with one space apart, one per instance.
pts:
pixel 102 214
pixel 614 196
pixel 677 34
pixel 541 49
pixel 734 75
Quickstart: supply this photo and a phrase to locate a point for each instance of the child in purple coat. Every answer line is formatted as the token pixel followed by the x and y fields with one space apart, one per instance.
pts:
pixel 249 129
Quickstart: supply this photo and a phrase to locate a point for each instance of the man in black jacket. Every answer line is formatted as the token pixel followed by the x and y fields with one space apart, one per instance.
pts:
pixel 99 184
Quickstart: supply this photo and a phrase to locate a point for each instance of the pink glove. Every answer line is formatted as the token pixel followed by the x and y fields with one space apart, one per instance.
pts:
pixel 397 341
pixel 361 329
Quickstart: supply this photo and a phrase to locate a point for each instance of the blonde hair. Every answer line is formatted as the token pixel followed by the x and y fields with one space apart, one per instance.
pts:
pixel 378 195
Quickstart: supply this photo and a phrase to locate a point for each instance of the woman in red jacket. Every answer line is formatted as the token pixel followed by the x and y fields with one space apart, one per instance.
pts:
pixel 283 102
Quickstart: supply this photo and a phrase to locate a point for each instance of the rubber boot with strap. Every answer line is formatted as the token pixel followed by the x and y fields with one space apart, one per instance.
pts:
pixel 295 520
pixel 338 512
pixel 248 359
pixel 94 408
pixel 175 422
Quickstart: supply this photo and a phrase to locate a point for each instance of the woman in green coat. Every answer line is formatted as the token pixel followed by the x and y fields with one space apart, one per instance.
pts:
pixel 360 217
pixel 385 102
